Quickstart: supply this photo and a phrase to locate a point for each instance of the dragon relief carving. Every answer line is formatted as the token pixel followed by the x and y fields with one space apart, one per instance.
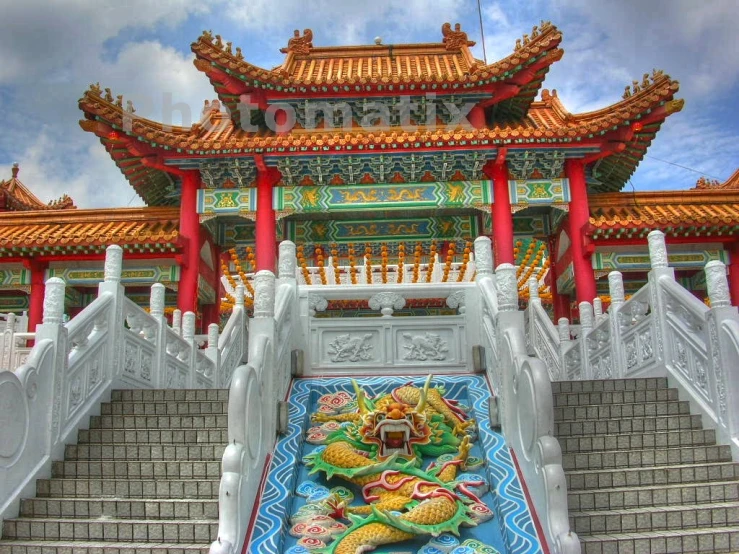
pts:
pixel 348 348
pixel 428 346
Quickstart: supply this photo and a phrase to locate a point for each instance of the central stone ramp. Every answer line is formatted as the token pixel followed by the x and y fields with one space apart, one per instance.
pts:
pixel 143 479
pixel 390 462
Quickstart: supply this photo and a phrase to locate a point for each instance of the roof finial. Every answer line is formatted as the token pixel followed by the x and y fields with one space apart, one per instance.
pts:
pixel 299 45
pixel 16 169
pixel 378 41
pixel 454 39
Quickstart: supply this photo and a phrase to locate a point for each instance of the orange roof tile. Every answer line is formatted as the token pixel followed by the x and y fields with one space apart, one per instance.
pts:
pixel 683 213
pixel 16 197
pixel 89 231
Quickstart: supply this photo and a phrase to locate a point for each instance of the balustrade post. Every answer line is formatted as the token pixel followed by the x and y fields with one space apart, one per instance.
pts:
pixel 565 337
pixel 188 335
pixel 156 309
pixel 112 284
pixel 287 263
pixel 586 326
pixel 534 301
pixel 616 291
pixel 239 300
pixel 483 256
pixel 660 270
pixel 507 287
pixel 177 322
pixel 723 353
pixel 213 353
pixel 263 325
pixel 53 329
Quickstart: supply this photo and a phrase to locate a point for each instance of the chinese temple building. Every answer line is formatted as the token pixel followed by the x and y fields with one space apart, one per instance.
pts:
pixel 374 151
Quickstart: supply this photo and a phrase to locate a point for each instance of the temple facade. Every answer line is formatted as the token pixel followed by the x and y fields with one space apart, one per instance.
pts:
pixel 395 156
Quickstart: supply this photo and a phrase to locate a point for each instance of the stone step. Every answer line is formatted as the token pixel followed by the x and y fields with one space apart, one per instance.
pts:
pixel 615 397
pixel 168 395
pixel 565 429
pixel 144 508
pixel 621 411
pixel 646 458
pixel 132 530
pixel 127 488
pixel 609 385
pixel 172 407
pixel 661 519
pixel 159 422
pixel 153 436
pixel 664 475
pixel 137 470
pixel 103 451
pixel 685 494
pixel 638 441
pixel 713 540
pixel 88 547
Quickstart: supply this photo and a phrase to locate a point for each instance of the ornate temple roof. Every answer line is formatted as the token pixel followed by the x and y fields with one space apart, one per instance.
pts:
pixel 89 231
pixel 15 197
pixel 695 213
pixel 148 152
pixel 445 67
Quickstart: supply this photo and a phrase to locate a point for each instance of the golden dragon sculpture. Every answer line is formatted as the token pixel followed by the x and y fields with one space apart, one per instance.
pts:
pixel 377 445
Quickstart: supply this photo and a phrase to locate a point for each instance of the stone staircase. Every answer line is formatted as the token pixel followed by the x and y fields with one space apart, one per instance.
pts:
pixel 143 479
pixel 643 475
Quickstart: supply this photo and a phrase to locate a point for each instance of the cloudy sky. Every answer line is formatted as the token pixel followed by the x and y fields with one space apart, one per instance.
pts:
pixel 50 51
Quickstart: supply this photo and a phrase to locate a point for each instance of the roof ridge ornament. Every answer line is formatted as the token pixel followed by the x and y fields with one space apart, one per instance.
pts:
pixel 300 46
pixel 16 169
pixel 455 39
pixel 646 82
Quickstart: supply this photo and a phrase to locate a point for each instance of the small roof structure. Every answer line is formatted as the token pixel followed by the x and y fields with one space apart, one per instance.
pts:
pixel 136 230
pixel 16 197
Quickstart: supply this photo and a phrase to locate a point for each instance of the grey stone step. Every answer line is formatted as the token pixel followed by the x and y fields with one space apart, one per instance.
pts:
pixel 127 488
pixel 714 540
pixel 638 441
pixel 615 397
pixel 621 411
pixel 665 518
pixel 646 458
pixel 609 385
pixel 664 475
pixel 88 547
pixel 144 508
pixel 132 530
pixel 159 422
pixel 166 395
pixel 565 429
pixel 137 470
pixel 155 436
pixel 142 452
pixel 686 494
pixel 163 408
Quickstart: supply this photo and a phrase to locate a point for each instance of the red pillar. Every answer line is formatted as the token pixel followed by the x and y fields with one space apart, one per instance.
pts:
pixel 266 239
pixel 38 287
pixel 734 273
pixel 187 293
pixel 477 117
pixel 579 217
pixel 502 216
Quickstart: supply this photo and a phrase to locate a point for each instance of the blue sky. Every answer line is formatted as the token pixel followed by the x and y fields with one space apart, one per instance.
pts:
pixel 51 51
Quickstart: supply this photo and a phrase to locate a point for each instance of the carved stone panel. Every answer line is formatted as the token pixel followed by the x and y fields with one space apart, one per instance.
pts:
pixel 352 347
pixel 427 346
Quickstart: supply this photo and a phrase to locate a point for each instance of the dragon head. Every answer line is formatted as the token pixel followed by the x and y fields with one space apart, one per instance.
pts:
pixel 395 428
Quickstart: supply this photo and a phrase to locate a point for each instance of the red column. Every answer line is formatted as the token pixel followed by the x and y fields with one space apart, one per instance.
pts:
pixel 38 287
pixel 502 216
pixel 477 117
pixel 734 273
pixel 266 249
pixel 579 217
pixel 187 293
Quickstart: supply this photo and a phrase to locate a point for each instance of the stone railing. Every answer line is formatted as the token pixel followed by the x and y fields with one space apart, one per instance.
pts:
pixel 73 367
pixel 257 410
pixel 14 340
pixel 524 407
pixel 661 331
pixel 288 337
